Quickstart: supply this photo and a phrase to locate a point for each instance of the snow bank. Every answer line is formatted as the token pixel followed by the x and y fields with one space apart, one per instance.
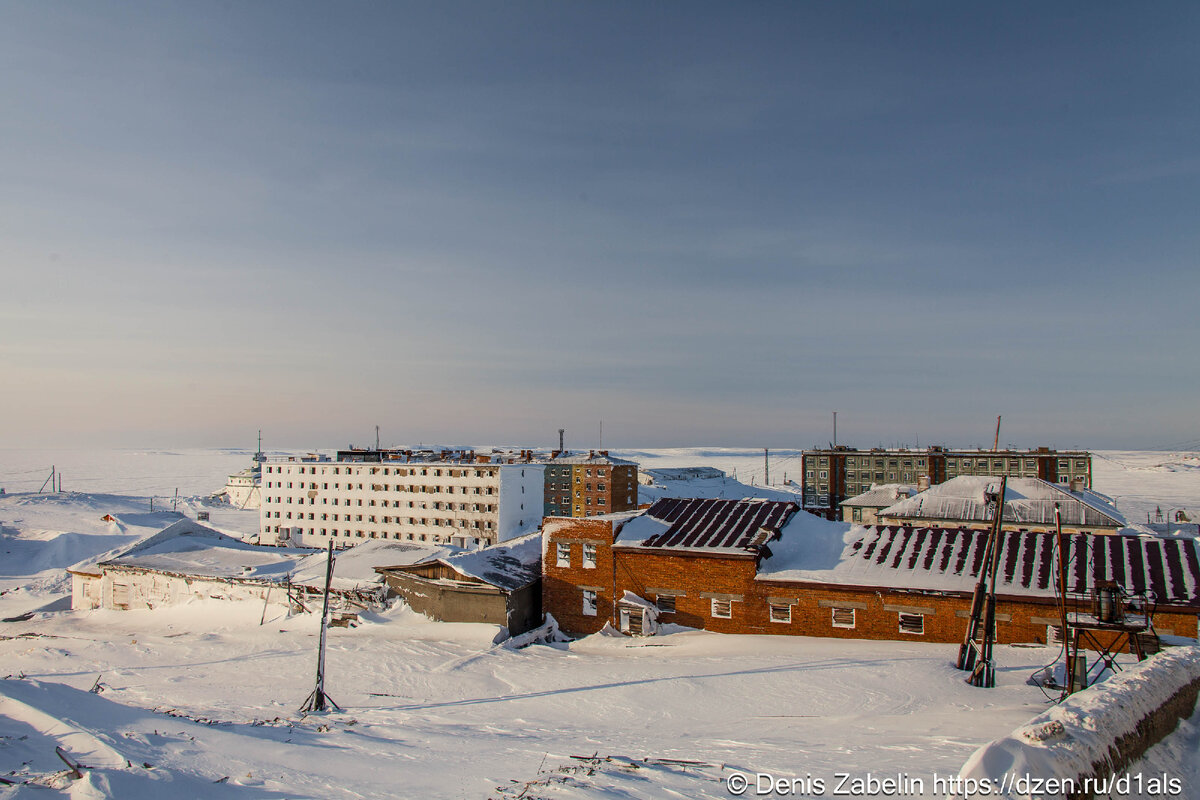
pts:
pixel 1093 734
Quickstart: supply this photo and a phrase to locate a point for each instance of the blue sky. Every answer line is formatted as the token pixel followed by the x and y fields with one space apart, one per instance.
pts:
pixel 700 223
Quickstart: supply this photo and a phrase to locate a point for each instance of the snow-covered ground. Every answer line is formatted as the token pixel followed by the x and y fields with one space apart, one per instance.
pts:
pixel 204 693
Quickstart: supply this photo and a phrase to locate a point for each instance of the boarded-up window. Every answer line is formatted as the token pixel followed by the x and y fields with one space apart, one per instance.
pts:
pixel 666 603
pixel 781 612
pixel 722 609
pixel 589 602
pixel 912 623
pixel 120 592
pixel 843 617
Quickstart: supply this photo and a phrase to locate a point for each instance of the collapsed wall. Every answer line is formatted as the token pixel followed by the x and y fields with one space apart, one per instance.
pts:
pixel 1070 750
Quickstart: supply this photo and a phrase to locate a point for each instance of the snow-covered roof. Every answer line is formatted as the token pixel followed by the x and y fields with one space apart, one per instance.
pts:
pixel 1027 501
pixel 510 565
pixel 354 567
pixel 684 473
pixel 735 526
pixel 935 559
pixel 882 495
pixel 594 457
pixel 189 548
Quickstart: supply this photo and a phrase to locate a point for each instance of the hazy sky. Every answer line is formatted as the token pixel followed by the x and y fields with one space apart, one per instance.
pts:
pixel 704 224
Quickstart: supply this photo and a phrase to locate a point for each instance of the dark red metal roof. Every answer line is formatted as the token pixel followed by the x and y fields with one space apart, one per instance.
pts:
pixel 720 524
pixel 1166 569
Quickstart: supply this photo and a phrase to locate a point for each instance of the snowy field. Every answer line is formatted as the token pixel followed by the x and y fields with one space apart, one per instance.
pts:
pixel 205 693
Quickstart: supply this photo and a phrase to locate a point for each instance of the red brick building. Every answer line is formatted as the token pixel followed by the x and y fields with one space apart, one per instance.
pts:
pixel 589 484
pixel 751 566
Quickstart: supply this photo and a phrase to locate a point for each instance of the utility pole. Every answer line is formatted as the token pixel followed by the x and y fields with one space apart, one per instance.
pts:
pixel 175 502
pixel 996 442
pixel 976 657
pixel 767 467
pixel 376 438
pixel 318 699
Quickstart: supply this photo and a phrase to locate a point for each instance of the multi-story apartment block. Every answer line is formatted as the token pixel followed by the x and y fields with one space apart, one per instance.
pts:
pixel 579 485
pixel 452 497
pixel 836 474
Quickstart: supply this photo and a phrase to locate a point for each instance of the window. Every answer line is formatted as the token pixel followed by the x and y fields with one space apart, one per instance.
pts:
pixel 665 603
pixel 589 556
pixel 781 612
pixel 843 617
pixel 563 551
pixel 722 609
pixel 589 602
pixel 912 623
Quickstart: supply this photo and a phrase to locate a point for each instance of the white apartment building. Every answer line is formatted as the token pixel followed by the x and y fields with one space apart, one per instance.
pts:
pixel 465 501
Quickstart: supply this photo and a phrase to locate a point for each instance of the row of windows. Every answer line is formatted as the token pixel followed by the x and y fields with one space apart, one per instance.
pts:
pixel 383 487
pixel 566 471
pixel 864 463
pixel 437 472
pixel 562 553
pixel 566 500
pixel 779 612
pixel 434 521
pixel 360 534
pixel 436 505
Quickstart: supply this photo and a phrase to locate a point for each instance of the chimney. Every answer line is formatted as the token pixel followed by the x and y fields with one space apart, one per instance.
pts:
pixel 1078 484
pixel 922 483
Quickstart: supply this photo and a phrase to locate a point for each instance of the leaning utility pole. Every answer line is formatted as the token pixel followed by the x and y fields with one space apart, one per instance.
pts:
pixel 318 699
pixel 996 441
pixel 976 657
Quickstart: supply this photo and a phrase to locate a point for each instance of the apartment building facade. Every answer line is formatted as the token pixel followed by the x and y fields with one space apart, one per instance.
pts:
pixel 836 474
pixel 450 497
pixel 588 485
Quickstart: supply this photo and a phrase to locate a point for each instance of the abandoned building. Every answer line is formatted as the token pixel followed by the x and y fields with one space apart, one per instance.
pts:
pixel 500 585
pixel 756 566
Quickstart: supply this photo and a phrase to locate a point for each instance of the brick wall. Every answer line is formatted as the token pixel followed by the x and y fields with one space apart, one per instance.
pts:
pixel 696 579
pixel 563 587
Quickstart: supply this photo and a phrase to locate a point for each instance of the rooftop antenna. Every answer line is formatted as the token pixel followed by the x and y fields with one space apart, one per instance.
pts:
pixel 258 455
pixel 601 445
pixel 835 430
pixel 996 441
